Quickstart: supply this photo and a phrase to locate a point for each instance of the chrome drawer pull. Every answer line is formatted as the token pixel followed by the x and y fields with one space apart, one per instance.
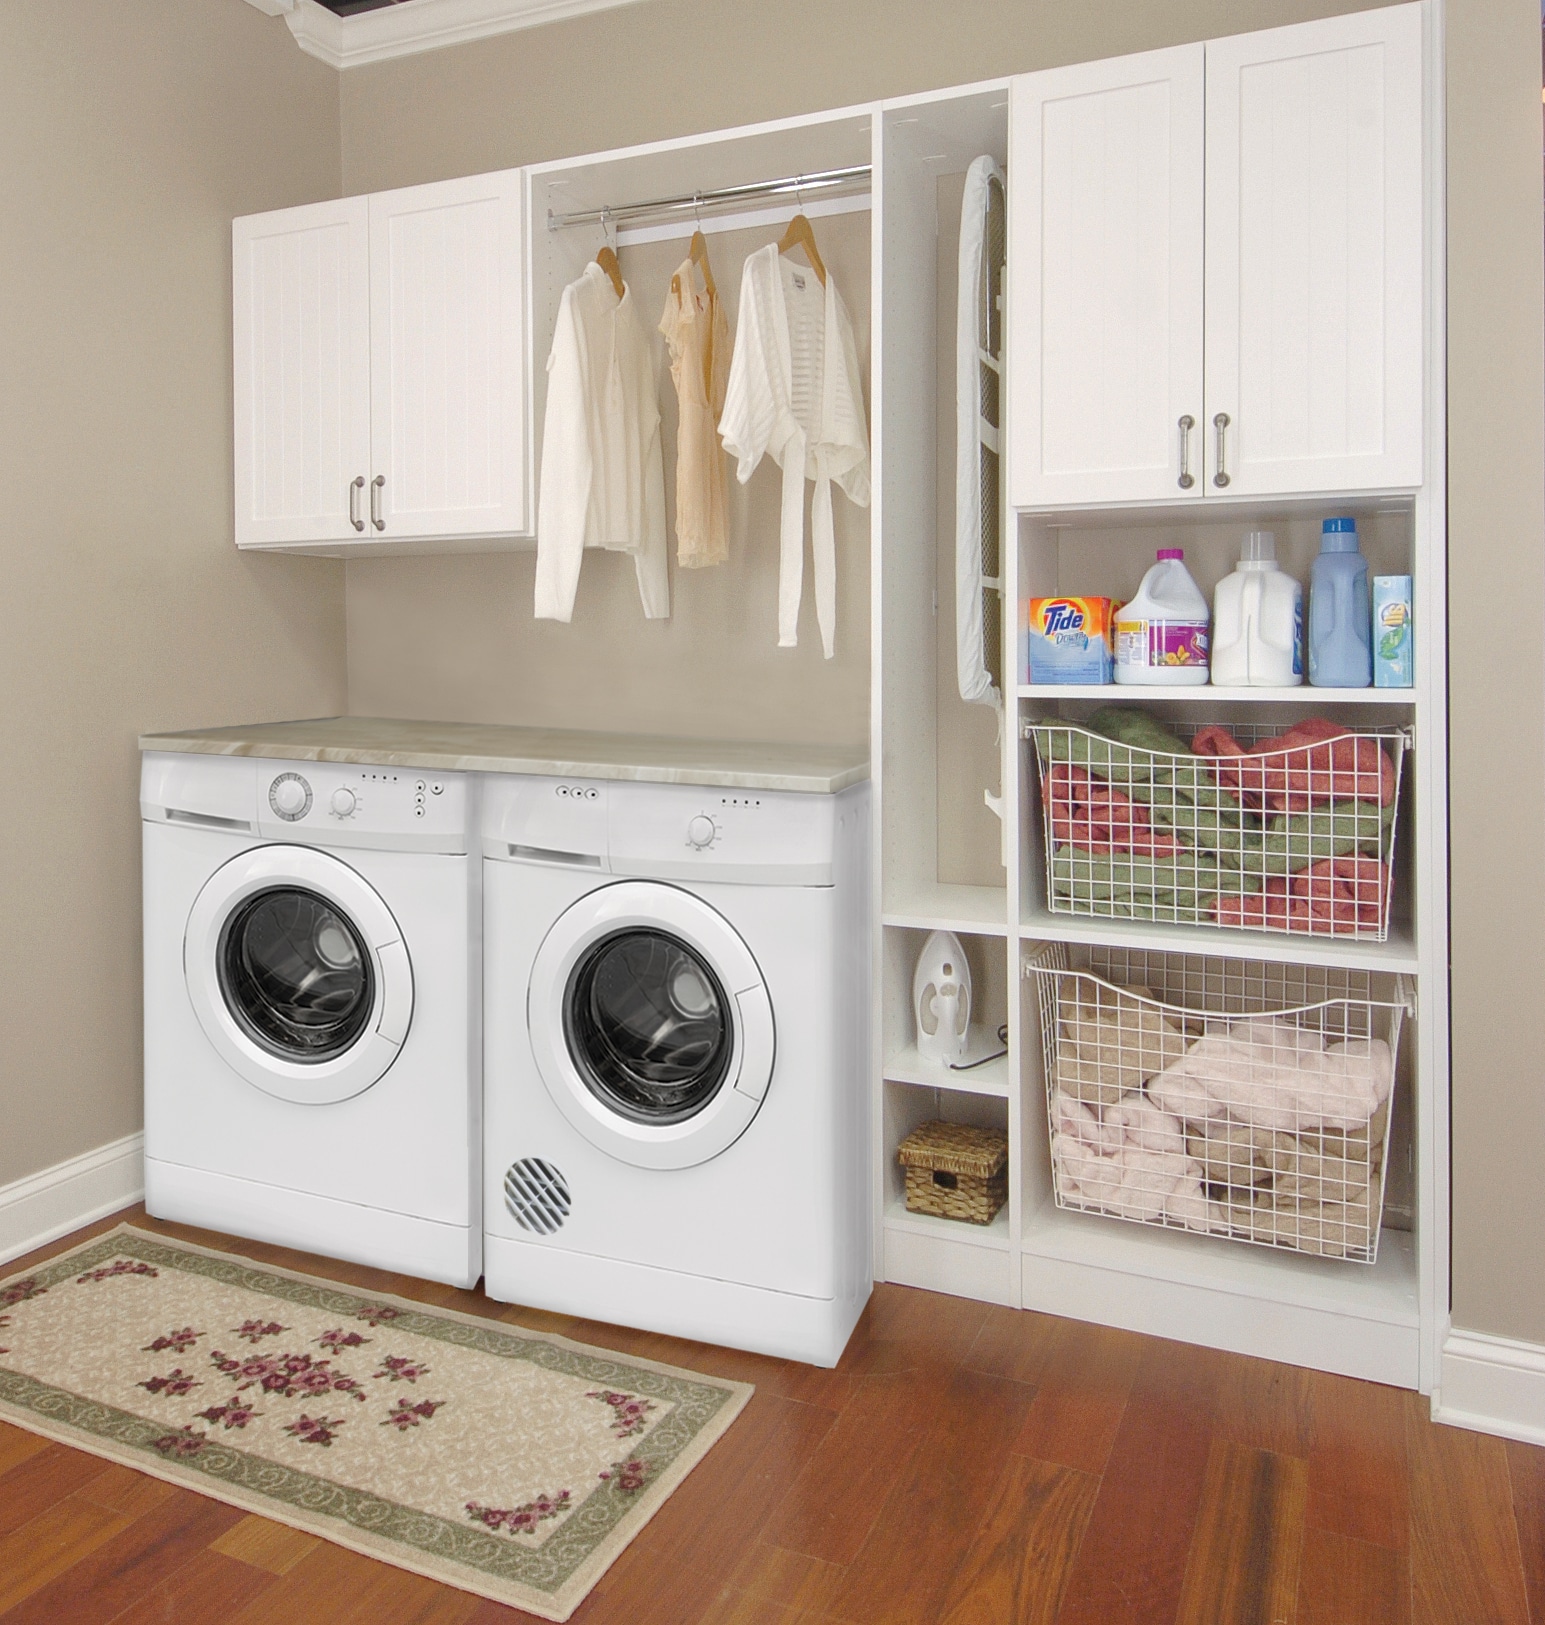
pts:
pixel 1187 479
pixel 1220 423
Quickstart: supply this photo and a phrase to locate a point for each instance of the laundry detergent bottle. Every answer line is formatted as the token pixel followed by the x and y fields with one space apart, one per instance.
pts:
pixel 1161 636
pixel 1258 621
pixel 1340 613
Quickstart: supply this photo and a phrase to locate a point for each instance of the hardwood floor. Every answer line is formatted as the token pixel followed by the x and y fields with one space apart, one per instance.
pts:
pixel 964 1465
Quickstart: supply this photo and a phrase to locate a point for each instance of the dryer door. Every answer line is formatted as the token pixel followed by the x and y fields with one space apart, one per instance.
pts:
pixel 298 974
pixel 651 1025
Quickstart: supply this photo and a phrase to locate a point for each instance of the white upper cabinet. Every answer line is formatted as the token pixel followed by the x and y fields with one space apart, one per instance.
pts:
pixel 379 369
pixel 1216 268
pixel 1314 255
pixel 447 395
pixel 301 320
pixel 1105 263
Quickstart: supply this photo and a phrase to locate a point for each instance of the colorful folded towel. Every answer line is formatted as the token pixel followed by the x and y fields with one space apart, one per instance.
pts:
pixel 1091 814
pixel 1343 896
pixel 1313 763
pixel 1174 889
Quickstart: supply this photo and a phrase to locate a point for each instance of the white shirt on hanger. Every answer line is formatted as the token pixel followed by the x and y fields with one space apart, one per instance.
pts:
pixel 796 393
pixel 603 479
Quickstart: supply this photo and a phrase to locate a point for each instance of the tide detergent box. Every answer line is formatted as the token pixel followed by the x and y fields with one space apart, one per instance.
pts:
pixel 1394 665
pixel 1068 640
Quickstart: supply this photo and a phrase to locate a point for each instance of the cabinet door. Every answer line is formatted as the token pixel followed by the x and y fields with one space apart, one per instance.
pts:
pixel 1314 255
pixel 1105 308
pixel 301 329
pixel 447 394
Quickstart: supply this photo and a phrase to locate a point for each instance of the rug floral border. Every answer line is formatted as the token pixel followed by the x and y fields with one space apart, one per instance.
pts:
pixel 701 1407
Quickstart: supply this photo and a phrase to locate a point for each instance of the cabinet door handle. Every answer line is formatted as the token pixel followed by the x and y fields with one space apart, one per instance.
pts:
pixel 1187 479
pixel 377 485
pixel 1220 423
pixel 356 485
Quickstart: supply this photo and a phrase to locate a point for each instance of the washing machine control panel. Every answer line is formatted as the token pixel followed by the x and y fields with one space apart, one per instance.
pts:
pixel 359 805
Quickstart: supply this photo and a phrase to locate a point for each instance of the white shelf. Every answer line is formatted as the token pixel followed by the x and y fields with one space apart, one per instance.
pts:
pixel 1132 692
pixel 975 910
pixel 1359 1319
pixel 990 1078
pixel 1397 955
pixel 994 1235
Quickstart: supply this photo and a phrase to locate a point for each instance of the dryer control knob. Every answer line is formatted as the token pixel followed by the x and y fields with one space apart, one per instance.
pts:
pixel 701 832
pixel 290 796
pixel 344 801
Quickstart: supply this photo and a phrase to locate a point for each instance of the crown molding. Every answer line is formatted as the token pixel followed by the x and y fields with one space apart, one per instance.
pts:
pixel 421 25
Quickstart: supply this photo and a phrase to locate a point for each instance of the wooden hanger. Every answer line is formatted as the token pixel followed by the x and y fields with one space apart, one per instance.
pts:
pixel 799 235
pixel 698 254
pixel 607 260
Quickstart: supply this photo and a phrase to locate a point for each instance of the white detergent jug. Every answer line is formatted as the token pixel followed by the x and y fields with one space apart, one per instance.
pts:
pixel 1258 621
pixel 941 999
pixel 1161 636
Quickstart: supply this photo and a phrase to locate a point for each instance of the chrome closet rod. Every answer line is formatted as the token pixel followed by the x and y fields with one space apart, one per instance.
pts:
pixel 795 185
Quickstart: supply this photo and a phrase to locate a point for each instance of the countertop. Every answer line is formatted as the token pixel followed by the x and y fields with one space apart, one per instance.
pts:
pixel 476 747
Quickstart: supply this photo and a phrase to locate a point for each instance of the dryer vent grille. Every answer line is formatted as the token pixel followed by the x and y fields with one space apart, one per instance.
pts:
pixel 537 1195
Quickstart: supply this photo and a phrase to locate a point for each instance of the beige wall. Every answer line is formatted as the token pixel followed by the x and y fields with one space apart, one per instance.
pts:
pixel 1496 430
pixel 130 134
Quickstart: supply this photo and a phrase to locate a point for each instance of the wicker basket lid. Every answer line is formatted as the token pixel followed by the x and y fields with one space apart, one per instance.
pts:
pixel 955 1148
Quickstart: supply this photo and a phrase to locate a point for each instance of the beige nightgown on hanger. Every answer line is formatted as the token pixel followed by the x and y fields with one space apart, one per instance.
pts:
pixel 698 339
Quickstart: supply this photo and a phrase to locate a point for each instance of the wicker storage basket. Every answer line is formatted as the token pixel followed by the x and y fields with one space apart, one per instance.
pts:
pixel 955 1171
pixel 1219 1096
pixel 1236 835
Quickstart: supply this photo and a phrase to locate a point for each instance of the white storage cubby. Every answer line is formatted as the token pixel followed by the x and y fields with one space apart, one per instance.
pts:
pixel 943 1255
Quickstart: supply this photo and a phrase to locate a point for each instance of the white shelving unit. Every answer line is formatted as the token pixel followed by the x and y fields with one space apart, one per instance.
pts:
pixel 937 866
pixel 943 859
pixel 1125 694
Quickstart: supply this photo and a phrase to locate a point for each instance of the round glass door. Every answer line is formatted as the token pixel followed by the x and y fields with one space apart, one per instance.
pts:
pixel 296 975
pixel 648 1025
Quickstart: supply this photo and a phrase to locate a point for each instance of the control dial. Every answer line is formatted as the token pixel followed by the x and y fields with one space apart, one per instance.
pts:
pixel 344 801
pixel 290 796
pixel 701 832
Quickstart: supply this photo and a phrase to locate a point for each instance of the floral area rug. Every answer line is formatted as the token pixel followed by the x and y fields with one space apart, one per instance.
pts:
pixel 508 1463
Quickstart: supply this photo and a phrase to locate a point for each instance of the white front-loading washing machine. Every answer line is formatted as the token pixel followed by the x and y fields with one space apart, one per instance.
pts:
pixel 676 1019
pixel 312 1045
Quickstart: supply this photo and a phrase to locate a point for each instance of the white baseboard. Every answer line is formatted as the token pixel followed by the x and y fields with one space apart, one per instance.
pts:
pixel 1493 1385
pixel 42 1207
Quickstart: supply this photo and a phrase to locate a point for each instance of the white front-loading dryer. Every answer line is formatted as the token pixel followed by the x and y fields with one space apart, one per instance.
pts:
pixel 311 1008
pixel 675 1033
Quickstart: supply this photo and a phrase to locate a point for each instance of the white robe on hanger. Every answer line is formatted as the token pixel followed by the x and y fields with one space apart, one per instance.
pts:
pixel 603 477
pixel 796 393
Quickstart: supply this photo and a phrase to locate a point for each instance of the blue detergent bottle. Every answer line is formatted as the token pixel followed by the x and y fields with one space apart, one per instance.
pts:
pixel 1340 628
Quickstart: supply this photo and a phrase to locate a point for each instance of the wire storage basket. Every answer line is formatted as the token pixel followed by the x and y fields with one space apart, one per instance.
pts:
pixel 1220 1096
pixel 1235 828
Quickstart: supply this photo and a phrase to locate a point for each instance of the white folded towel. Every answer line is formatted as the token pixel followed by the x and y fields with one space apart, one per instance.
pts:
pixel 1274 1074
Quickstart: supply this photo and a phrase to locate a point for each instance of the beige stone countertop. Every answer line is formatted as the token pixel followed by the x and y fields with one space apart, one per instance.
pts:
pixel 478 747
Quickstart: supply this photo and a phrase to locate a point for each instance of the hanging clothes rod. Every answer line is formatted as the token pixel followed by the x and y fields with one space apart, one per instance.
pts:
pixel 823 180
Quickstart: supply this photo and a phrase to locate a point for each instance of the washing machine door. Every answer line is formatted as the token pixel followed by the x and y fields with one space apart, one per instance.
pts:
pixel 298 974
pixel 651 1024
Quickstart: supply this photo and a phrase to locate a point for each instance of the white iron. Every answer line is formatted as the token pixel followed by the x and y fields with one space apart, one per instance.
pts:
pixel 941 999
